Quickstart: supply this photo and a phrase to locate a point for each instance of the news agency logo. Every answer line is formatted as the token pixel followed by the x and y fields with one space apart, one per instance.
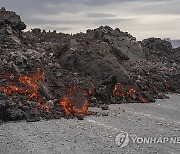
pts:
pixel 123 139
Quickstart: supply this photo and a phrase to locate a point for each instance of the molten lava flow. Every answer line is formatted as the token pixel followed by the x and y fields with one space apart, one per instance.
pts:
pixel 11 89
pixel 75 103
pixel 44 107
pixel 131 91
pixel 70 109
pixel 32 82
pixel 29 87
pixel 117 91
pixel 143 100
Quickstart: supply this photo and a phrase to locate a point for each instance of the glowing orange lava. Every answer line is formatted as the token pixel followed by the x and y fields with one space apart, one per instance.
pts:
pixel 118 92
pixel 131 91
pixel 75 103
pixel 143 100
pixel 70 109
pixel 29 87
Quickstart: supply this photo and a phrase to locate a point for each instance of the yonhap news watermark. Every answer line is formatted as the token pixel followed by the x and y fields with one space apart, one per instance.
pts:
pixel 123 139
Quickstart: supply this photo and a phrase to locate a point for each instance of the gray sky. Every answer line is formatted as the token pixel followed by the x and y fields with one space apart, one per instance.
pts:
pixel 141 18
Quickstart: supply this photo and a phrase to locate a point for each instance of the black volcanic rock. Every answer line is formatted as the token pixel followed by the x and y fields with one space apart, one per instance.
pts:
pixel 123 45
pixel 157 49
pixel 94 59
pixel 176 54
pixel 11 20
pixel 94 62
pixel 10 28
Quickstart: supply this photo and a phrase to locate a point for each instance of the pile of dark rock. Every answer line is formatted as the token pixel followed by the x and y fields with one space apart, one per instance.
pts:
pixel 94 61
pixel 10 29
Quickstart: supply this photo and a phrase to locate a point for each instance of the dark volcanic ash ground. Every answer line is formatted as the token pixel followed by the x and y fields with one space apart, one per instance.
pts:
pixel 102 66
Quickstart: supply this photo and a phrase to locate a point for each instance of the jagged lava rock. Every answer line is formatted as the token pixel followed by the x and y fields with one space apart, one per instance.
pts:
pixel 10 27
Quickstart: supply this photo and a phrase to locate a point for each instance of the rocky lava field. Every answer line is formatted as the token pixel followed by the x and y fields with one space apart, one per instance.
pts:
pixel 45 75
